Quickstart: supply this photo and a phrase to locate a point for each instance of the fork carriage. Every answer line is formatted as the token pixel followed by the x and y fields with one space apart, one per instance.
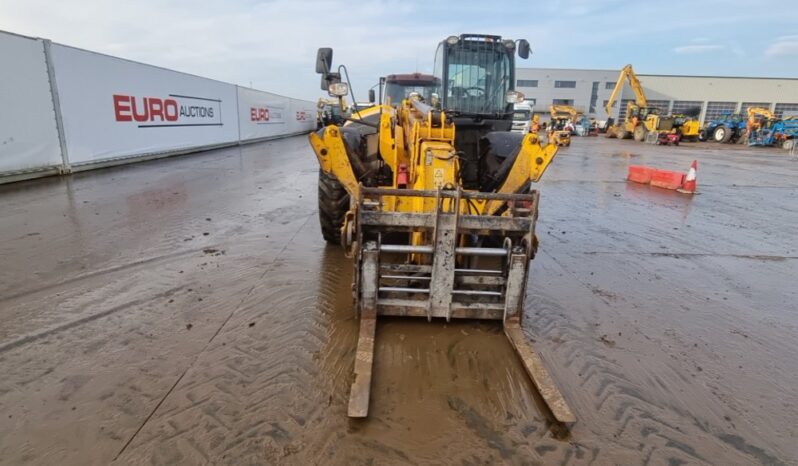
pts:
pixel 443 260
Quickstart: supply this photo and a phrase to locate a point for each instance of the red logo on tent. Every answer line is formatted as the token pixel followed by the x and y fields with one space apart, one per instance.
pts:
pixel 259 114
pixel 128 108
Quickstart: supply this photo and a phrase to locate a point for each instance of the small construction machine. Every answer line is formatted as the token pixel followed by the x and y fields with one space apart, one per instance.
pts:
pixel 641 119
pixel 757 117
pixel 435 204
pixel 777 132
pixel 561 115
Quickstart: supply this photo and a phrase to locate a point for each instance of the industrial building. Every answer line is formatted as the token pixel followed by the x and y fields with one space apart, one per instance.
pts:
pixel 589 91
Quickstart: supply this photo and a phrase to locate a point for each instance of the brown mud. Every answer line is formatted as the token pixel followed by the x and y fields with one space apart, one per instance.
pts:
pixel 187 311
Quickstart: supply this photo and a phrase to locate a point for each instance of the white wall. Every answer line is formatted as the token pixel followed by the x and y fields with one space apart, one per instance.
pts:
pixel 262 115
pixel 108 110
pixel 28 133
pixel 117 108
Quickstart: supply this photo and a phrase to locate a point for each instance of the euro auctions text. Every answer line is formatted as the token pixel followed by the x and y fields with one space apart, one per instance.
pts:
pixel 173 110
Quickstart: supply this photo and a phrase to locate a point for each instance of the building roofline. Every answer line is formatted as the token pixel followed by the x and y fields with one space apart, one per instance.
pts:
pixel 660 75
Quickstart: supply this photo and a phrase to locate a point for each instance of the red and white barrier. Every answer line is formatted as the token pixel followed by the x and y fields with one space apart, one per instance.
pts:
pixel 667 179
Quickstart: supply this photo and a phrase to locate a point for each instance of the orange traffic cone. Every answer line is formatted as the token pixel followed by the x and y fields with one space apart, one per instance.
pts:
pixel 689 185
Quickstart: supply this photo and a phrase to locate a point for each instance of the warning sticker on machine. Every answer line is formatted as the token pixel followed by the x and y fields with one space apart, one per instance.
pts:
pixel 437 177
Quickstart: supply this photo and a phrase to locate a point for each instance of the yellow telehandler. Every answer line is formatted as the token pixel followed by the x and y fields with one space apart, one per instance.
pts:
pixel 434 203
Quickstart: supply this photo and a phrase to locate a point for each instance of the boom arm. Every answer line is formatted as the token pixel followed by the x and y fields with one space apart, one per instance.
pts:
pixel 627 73
pixel 754 111
pixel 556 110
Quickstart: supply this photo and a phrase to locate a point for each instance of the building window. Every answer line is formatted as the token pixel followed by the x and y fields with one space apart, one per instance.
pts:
pixel 562 101
pixel 687 107
pixel 622 112
pixel 746 105
pixel 594 96
pixel 527 83
pixel 565 84
pixel 610 85
pixel 717 109
pixel 660 105
pixel 784 110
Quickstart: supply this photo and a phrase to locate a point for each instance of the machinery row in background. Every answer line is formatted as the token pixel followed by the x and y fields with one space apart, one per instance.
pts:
pixel 644 123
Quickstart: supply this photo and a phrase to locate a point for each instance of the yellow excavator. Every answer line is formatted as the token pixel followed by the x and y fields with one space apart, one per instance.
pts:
pixel 640 118
pixel 755 117
pixel 435 205
pixel 557 132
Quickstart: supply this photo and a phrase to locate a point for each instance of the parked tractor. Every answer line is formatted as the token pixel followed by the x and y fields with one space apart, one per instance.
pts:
pixel 727 128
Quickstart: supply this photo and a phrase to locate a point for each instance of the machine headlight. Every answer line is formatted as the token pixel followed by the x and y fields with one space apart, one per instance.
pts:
pixel 510 44
pixel 338 89
pixel 514 97
pixel 452 40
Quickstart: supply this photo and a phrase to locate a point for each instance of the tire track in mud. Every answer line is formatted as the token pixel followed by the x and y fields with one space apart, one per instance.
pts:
pixel 636 408
pixel 275 392
pixel 269 268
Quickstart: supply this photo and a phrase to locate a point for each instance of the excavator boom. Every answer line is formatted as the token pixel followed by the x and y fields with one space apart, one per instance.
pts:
pixel 627 74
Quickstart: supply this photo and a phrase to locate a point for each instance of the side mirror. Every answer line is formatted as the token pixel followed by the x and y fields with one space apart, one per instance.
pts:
pixel 372 96
pixel 523 49
pixel 324 60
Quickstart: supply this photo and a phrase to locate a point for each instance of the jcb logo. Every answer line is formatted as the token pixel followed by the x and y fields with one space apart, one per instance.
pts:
pixel 301 116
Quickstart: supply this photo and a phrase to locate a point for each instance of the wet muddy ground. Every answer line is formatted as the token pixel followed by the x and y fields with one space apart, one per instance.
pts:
pixel 187 311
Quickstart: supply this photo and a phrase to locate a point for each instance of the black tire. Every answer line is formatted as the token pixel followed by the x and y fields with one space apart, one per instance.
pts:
pixel 333 205
pixel 742 136
pixel 640 133
pixel 702 135
pixel 722 134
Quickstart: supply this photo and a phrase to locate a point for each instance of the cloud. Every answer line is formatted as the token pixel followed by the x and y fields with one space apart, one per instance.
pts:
pixel 696 49
pixel 272 43
pixel 784 46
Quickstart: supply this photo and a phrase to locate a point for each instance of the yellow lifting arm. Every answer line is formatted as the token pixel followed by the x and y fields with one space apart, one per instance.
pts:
pixel 529 165
pixel 753 112
pixel 627 73
pixel 557 110
pixel 333 159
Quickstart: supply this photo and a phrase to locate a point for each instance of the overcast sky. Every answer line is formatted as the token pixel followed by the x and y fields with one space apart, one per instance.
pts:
pixel 272 44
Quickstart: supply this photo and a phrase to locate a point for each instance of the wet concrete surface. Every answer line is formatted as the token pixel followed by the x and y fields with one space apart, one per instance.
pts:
pixel 187 311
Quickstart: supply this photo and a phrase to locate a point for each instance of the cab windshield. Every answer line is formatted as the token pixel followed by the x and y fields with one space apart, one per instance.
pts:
pixel 395 93
pixel 521 115
pixel 478 77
